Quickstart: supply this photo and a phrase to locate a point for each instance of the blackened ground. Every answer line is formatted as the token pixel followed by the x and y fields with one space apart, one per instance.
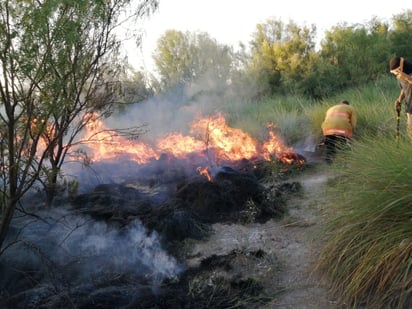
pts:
pixel 227 279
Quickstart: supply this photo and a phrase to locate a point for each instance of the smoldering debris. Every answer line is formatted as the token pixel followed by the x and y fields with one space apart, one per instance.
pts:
pixel 64 255
pixel 221 281
pixel 120 245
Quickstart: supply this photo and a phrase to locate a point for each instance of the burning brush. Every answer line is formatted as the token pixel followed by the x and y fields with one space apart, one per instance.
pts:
pixel 210 143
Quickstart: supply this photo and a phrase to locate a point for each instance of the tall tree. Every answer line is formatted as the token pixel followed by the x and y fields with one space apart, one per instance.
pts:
pixel 280 54
pixel 173 58
pixel 58 66
pixel 184 58
pixel 401 34
pixel 358 53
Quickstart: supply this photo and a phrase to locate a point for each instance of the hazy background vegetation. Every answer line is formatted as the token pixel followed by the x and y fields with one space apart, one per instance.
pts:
pixel 282 58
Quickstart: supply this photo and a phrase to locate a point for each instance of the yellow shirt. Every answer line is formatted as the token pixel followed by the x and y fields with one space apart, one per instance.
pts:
pixel 340 120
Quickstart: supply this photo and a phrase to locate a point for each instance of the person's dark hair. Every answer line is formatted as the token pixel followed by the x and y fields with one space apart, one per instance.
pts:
pixel 344 102
pixel 396 61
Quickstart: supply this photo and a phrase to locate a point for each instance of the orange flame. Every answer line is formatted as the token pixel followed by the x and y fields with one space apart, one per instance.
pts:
pixel 179 145
pixel 231 144
pixel 106 146
pixel 205 172
pixel 209 135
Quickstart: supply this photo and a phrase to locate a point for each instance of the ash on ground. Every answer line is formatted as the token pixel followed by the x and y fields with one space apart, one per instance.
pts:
pixel 129 244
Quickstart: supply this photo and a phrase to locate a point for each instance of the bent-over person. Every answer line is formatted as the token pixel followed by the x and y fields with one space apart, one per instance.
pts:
pixel 337 128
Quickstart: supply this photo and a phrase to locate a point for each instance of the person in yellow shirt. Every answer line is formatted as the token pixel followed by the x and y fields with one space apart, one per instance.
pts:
pixel 337 128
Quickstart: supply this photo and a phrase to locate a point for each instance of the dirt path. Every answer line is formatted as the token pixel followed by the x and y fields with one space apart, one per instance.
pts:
pixel 290 243
pixel 296 247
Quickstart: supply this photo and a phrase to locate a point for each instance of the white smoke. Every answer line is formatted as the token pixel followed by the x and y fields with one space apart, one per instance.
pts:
pixel 91 248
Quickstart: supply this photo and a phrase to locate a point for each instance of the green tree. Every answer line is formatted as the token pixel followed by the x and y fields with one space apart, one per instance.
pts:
pixel 173 58
pixel 356 54
pixel 58 67
pixel 280 54
pixel 185 58
pixel 135 87
pixel 401 34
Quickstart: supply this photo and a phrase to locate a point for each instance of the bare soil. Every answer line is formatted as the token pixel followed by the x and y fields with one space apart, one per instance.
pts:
pixel 291 243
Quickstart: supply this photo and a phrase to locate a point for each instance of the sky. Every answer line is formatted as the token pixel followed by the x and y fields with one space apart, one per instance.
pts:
pixel 234 21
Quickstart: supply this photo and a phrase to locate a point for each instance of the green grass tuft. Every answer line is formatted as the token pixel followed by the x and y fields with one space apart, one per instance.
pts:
pixel 368 248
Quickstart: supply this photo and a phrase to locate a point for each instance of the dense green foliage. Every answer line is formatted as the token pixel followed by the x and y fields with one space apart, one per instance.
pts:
pixel 186 58
pixel 283 59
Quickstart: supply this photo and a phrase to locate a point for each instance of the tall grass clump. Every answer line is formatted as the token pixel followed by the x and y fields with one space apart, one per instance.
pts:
pixel 367 254
pixel 375 104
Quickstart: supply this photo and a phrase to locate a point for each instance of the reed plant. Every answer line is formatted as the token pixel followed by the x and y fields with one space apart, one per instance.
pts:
pixel 368 238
